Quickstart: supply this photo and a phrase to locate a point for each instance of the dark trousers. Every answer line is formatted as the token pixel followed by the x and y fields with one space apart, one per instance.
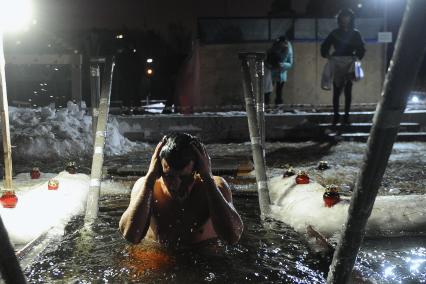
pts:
pixel 347 89
pixel 278 93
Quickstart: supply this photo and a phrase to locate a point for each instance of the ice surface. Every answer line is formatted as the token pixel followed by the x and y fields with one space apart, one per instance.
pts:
pixel 302 205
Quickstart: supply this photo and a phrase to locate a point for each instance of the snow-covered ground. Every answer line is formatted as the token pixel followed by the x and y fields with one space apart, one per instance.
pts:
pixel 301 205
pixel 39 209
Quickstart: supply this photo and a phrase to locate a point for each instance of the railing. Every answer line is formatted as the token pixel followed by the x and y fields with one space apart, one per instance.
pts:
pixel 237 30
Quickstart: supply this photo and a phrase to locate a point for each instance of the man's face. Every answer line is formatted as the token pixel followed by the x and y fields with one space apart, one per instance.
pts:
pixel 178 182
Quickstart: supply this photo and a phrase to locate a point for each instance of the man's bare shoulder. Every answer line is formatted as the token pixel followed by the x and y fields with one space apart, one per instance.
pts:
pixel 220 181
pixel 223 186
pixel 137 187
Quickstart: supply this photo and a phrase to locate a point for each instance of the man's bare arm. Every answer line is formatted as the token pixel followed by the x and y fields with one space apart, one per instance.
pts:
pixel 134 222
pixel 226 221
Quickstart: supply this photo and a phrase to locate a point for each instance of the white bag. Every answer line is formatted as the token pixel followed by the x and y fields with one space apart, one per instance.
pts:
pixel 359 73
pixel 327 76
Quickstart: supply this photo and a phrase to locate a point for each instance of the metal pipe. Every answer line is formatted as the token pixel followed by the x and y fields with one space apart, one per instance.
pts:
pixel 95 89
pixel 260 97
pixel 256 145
pixel 9 266
pixel 99 143
pixel 409 51
pixel 4 115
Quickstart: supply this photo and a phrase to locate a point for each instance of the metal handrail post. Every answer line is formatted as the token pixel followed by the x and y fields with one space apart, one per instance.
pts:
pixel 406 60
pixel 99 143
pixel 255 138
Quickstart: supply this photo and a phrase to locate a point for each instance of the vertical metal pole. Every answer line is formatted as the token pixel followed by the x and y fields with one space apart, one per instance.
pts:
pixel 409 52
pixel 4 109
pixel 260 98
pixel 256 143
pixel 385 28
pixel 9 266
pixel 98 153
pixel 95 90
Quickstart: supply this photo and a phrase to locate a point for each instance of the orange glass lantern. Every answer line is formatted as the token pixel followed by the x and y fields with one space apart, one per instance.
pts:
pixel 71 168
pixel 53 184
pixel 289 172
pixel 35 173
pixel 9 199
pixel 302 178
pixel 323 165
pixel 331 195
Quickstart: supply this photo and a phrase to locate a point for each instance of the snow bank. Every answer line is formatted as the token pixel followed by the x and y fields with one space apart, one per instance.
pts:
pixel 302 205
pixel 40 209
pixel 46 133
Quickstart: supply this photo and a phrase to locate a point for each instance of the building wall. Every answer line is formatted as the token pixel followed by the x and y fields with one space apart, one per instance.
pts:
pixel 220 75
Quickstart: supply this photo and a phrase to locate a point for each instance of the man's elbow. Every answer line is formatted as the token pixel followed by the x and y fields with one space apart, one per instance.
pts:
pixel 128 234
pixel 234 236
pixel 130 237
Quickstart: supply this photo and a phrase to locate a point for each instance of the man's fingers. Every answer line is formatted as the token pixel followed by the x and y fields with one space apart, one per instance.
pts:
pixel 160 145
pixel 196 149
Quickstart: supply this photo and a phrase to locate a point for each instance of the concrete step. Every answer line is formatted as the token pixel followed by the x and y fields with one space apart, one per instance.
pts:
pixel 232 127
pixel 366 127
pixel 402 136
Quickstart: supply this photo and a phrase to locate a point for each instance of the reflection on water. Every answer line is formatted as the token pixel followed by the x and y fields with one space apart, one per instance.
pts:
pixel 398 260
pixel 270 253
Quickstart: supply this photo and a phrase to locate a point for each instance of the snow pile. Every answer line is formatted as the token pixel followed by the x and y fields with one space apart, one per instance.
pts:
pixel 302 205
pixel 40 209
pixel 47 132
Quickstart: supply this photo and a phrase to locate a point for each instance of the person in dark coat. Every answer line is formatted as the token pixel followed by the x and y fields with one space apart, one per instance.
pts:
pixel 348 46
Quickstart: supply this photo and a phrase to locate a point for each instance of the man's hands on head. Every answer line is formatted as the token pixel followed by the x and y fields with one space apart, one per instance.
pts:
pixel 154 170
pixel 204 161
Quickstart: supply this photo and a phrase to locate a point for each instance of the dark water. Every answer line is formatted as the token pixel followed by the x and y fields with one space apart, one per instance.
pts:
pixel 270 253
pixel 273 253
pixel 267 253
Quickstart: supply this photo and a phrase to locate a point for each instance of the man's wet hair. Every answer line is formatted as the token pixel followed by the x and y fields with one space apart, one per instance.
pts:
pixel 178 151
pixel 346 13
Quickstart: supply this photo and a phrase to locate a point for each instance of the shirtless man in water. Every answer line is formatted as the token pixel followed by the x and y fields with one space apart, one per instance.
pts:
pixel 179 202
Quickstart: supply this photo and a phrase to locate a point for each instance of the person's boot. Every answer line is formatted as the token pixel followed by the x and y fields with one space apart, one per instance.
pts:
pixel 335 119
pixel 346 120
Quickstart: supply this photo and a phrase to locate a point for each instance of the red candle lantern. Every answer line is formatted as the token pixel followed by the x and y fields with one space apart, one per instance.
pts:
pixel 35 173
pixel 331 195
pixel 302 178
pixel 53 184
pixel 71 168
pixel 9 199
pixel 289 172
